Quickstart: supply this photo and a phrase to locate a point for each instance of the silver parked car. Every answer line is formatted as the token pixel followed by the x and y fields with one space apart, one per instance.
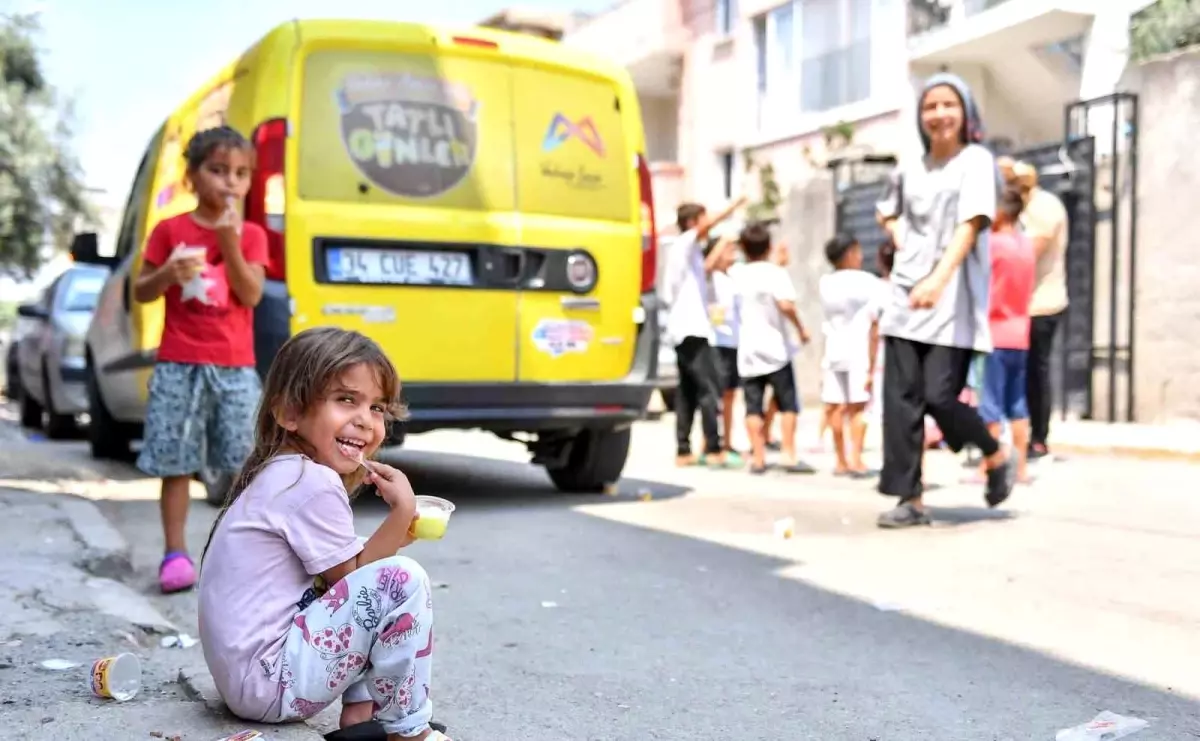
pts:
pixel 51 355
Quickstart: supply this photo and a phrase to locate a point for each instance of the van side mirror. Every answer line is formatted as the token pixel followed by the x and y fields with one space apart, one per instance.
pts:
pixel 32 311
pixel 85 250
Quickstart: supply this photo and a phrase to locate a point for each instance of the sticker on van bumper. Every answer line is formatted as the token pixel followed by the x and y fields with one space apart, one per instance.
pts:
pixel 557 337
pixel 409 134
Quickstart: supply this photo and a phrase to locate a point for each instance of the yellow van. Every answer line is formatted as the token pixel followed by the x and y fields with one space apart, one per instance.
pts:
pixel 477 202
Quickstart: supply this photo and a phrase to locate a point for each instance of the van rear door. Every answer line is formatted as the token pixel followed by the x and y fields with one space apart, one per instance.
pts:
pixel 405 187
pixel 577 201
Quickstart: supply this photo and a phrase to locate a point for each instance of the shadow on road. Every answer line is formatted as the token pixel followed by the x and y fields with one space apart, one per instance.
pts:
pixel 476 482
pixel 616 629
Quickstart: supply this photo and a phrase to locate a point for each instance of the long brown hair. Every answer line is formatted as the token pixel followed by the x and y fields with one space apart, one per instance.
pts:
pixel 300 375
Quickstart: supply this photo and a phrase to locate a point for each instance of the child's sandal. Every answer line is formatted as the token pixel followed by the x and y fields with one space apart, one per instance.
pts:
pixel 372 730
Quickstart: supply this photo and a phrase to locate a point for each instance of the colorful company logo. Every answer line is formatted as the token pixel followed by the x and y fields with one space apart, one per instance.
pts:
pixel 561 129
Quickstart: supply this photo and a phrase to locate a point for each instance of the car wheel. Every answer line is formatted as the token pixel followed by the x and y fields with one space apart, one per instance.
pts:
pixel 216 485
pixel 108 437
pixel 596 459
pixel 31 411
pixel 668 398
pixel 58 426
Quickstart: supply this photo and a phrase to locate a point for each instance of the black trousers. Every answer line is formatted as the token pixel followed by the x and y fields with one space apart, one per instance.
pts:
pixel 920 379
pixel 1037 381
pixel 697 392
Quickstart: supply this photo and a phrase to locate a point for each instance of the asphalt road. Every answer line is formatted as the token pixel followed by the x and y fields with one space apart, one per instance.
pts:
pixel 685 617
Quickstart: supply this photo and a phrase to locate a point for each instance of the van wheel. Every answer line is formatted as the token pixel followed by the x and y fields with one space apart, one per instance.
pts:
pixel 108 437
pixel 31 411
pixel 216 485
pixel 596 458
pixel 58 426
pixel 668 398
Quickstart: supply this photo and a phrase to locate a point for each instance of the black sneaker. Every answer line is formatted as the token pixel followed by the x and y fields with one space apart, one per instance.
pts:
pixel 1000 481
pixel 903 515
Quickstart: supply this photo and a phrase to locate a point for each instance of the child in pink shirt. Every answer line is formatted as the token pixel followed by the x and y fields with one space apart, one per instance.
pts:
pixel 1012 284
pixel 295 611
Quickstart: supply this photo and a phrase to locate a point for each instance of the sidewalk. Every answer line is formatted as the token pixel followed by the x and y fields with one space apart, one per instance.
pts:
pixel 1179 441
pixel 65 595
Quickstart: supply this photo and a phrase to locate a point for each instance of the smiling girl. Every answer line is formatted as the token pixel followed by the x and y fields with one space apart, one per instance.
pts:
pixel 938 210
pixel 296 611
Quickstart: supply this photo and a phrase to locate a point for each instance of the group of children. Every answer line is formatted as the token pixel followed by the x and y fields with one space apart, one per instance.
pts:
pixel 732 316
pixel 295 610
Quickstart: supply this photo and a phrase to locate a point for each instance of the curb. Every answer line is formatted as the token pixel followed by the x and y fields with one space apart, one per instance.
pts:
pixel 1129 451
pixel 105 552
pixel 198 686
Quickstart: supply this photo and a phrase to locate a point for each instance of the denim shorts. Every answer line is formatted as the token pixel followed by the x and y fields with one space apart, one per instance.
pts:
pixel 199 414
pixel 1004 386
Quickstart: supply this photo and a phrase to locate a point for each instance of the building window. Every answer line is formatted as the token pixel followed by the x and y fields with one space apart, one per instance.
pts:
pixel 835 62
pixel 726 12
pixel 725 159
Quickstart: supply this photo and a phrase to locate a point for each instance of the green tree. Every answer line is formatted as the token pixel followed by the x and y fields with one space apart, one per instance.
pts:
pixel 766 208
pixel 1164 26
pixel 41 186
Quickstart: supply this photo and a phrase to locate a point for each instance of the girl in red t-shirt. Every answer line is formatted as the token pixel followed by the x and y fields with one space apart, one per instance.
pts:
pixel 208 265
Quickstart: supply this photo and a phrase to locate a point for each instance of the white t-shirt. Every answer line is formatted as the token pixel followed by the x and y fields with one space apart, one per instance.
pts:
pixel 725 295
pixel 685 291
pixel 763 343
pixel 850 302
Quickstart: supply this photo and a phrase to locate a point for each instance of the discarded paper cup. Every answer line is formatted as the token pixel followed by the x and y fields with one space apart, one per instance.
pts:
pixel 116 677
pixel 434 517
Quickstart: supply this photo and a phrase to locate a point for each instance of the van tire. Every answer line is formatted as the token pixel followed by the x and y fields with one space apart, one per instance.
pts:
pixel 216 485
pixel 31 411
pixel 58 426
pixel 668 398
pixel 108 437
pixel 596 459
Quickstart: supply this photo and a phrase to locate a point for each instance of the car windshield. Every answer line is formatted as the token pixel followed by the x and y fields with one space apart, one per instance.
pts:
pixel 83 293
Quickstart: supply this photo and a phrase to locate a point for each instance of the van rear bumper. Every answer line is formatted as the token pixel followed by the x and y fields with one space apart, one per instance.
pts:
pixel 525 407
pixel 541 407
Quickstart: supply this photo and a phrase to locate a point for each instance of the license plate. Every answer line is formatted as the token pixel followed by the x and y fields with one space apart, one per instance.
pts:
pixel 398 267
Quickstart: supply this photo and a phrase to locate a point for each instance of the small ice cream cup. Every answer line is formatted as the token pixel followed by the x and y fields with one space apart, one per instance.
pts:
pixel 434 517
pixel 116 677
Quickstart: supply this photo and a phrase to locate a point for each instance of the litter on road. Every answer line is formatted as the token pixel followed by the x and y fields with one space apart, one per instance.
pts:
pixel 58 665
pixel 1107 726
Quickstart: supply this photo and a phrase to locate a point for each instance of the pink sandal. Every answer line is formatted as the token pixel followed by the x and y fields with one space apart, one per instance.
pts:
pixel 177 573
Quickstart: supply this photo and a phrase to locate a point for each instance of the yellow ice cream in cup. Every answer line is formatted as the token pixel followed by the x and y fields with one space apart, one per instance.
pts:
pixel 434 517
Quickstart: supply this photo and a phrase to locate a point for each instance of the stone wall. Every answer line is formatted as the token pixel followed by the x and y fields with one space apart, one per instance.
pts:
pixel 1167 287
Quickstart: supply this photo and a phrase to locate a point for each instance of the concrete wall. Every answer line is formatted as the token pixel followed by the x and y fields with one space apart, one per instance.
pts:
pixel 1167 322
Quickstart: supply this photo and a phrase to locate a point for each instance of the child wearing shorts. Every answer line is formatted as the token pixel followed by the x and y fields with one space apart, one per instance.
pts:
pixel 208 265
pixel 1011 291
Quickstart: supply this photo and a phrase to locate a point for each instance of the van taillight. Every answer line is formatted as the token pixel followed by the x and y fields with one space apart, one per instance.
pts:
pixel 649 235
pixel 265 203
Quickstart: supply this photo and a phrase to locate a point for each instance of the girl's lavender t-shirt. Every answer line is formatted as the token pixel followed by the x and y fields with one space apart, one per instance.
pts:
pixel 291 523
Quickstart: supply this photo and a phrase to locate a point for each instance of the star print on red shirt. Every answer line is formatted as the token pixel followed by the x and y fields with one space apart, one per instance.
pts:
pixel 205 323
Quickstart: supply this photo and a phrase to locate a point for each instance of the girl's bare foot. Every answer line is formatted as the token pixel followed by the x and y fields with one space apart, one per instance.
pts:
pixel 685 460
pixel 354 713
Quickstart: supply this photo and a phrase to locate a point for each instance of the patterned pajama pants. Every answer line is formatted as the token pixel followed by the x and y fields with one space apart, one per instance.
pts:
pixel 369 638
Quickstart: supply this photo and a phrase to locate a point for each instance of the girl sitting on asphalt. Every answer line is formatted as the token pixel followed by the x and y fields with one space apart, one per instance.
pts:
pixel 295 610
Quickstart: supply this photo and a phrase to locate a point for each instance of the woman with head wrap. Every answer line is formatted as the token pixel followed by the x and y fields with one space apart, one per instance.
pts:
pixel 938 210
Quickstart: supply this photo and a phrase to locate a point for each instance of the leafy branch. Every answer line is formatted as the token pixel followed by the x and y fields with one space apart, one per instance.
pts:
pixel 41 184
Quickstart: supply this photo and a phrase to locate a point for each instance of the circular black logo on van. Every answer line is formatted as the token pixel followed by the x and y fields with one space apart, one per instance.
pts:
pixel 410 135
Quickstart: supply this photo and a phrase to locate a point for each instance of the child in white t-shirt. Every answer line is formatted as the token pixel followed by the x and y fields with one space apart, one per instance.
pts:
pixel 766 305
pixel 850 303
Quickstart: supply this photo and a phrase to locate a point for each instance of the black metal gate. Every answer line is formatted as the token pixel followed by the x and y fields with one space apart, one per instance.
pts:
pixel 1094 171
pixel 1068 171
pixel 858 184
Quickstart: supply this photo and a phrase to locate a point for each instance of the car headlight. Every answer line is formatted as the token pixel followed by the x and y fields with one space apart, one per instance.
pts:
pixel 75 348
